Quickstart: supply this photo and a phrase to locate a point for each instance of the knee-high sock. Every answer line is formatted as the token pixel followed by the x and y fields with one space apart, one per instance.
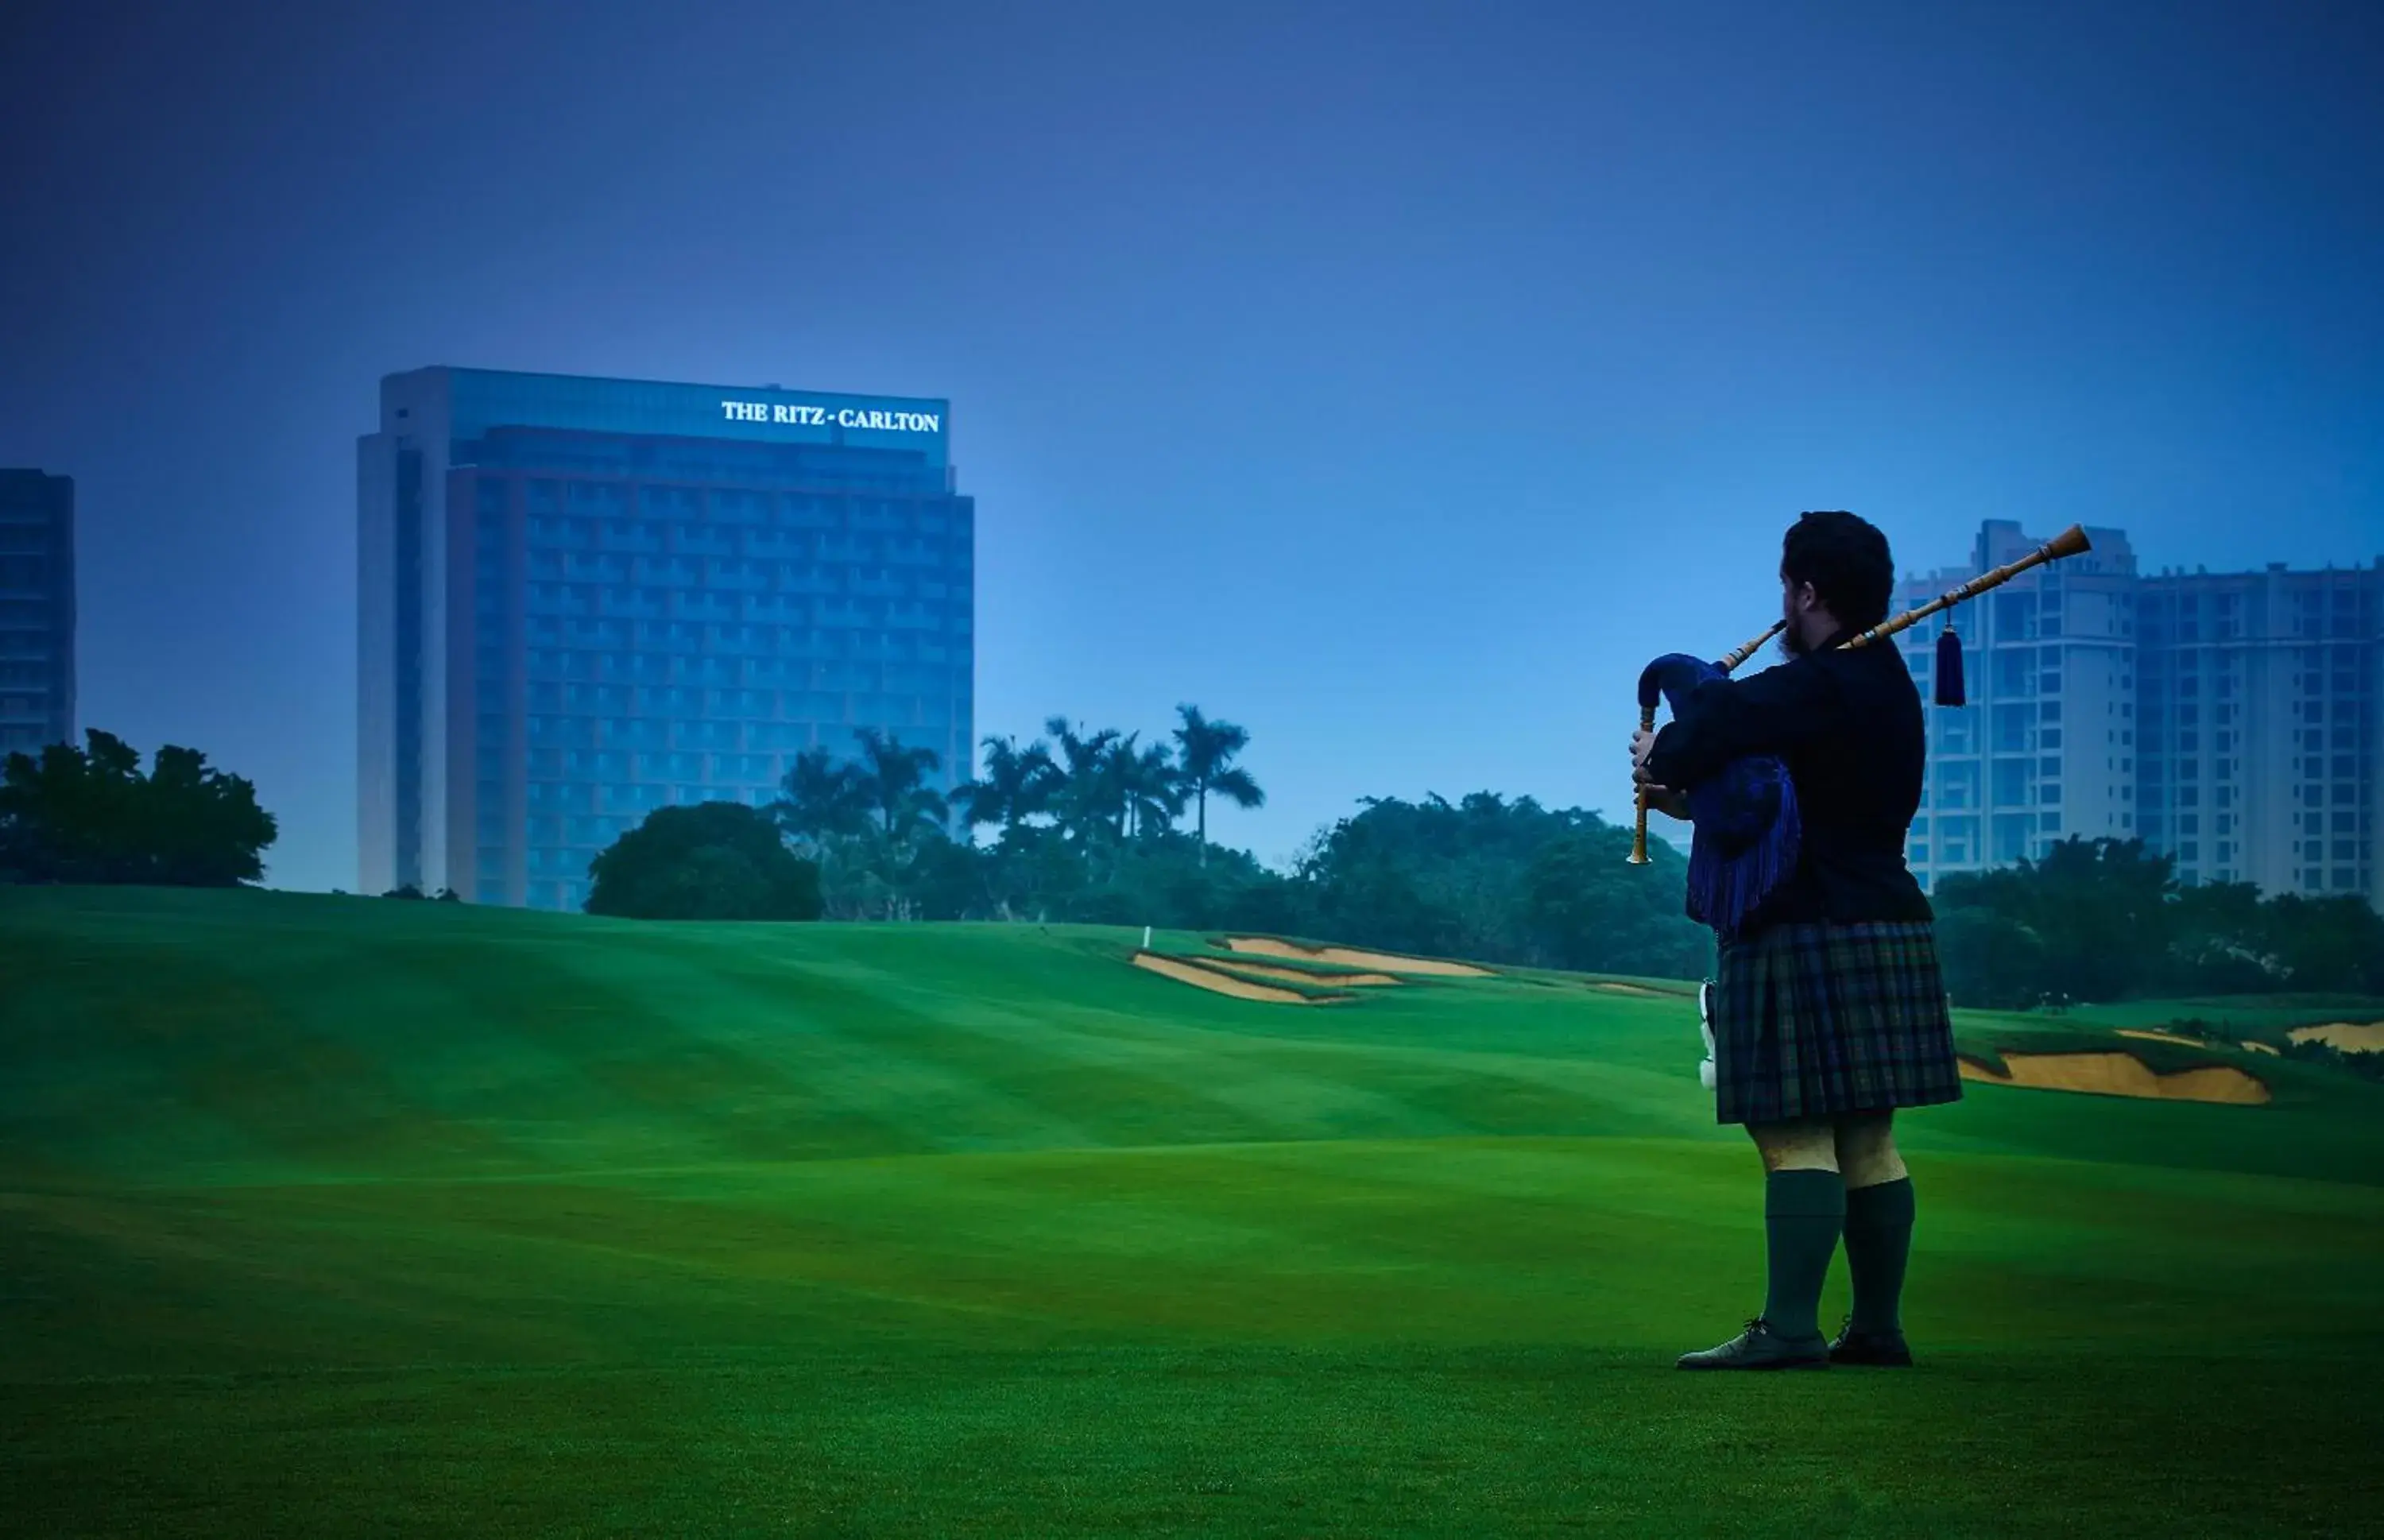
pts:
pixel 1803 1212
pixel 1879 1238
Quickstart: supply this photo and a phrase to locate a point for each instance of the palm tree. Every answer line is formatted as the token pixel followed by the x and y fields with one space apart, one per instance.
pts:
pixel 1081 796
pixel 1148 785
pixel 820 799
pixel 893 778
pixel 1016 782
pixel 1207 765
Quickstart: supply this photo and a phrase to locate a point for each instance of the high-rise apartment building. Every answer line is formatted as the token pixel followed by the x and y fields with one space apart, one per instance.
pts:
pixel 582 599
pixel 37 611
pixel 2259 695
pixel 2228 720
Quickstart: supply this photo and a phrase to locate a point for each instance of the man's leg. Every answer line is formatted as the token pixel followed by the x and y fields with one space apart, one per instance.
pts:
pixel 1802 1144
pixel 1879 1220
pixel 1804 1209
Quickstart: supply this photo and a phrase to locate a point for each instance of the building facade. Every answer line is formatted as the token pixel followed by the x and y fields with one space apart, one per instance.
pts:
pixel 2228 720
pixel 582 599
pixel 37 611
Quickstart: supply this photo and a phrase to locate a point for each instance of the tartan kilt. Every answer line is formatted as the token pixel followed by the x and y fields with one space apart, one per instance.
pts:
pixel 1829 1020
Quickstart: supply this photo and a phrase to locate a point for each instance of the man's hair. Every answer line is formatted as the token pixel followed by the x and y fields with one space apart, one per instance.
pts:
pixel 1846 561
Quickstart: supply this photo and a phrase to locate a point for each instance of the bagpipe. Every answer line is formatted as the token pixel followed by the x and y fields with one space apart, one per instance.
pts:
pixel 1747 831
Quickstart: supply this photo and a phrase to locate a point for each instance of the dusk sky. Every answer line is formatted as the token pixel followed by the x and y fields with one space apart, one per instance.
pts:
pixel 1395 380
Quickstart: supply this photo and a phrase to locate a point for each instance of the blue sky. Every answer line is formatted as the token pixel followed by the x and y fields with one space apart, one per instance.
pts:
pixel 1395 380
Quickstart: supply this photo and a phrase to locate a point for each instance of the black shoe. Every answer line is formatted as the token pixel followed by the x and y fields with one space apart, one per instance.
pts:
pixel 1878 1350
pixel 1757 1347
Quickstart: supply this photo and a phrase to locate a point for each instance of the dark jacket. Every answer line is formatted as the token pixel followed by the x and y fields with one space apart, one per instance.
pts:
pixel 1849 726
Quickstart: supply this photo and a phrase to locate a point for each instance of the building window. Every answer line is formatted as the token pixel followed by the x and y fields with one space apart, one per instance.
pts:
pixel 2010 782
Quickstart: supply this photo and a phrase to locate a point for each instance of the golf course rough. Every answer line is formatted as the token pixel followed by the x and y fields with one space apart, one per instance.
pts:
pixel 344 1215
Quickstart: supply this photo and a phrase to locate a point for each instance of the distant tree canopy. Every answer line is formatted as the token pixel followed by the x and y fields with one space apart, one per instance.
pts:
pixel 1502 882
pixel 2106 920
pixel 712 861
pixel 1085 829
pixel 90 815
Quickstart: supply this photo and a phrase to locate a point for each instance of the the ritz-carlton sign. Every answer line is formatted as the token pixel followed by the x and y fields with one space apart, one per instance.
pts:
pixel 820 416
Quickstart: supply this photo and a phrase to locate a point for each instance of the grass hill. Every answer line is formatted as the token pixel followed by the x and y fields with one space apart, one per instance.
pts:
pixel 444 1219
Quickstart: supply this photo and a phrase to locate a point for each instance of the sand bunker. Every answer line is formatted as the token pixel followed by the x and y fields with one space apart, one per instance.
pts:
pixel 2260 1048
pixel 1294 975
pixel 1631 990
pixel 2121 1074
pixel 1267 946
pixel 2351 1039
pixel 1206 978
pixel 2158 1036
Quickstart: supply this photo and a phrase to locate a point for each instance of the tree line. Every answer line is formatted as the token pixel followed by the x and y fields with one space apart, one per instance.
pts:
pixel 2106 920
pixel 1072 818
pixel 1089 828
pixel 1080 826
pixel 93 815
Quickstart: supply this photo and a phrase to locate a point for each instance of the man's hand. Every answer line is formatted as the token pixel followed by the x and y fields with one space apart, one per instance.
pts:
pixel 1661 799
pixel 1670 803
pixel 1643 743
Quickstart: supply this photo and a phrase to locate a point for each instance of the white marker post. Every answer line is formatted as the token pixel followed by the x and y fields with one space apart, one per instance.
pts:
pixel 1146 937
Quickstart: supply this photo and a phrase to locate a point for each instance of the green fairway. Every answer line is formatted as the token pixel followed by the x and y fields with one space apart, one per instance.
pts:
pixel 341 1215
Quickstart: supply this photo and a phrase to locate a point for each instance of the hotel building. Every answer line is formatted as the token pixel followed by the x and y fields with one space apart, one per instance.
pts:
pixel 583 598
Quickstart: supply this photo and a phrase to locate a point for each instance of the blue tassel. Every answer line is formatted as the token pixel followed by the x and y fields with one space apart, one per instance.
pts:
pixel 1949 667
pixel 1747 836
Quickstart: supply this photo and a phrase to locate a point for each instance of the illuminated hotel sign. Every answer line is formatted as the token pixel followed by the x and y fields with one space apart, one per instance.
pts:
pixel 820 416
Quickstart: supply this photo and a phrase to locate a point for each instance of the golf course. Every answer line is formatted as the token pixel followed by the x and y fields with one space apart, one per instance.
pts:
pixel 330 1215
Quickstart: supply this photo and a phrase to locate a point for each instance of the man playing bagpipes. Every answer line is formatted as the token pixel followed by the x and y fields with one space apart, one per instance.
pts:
pixel 1829 1011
